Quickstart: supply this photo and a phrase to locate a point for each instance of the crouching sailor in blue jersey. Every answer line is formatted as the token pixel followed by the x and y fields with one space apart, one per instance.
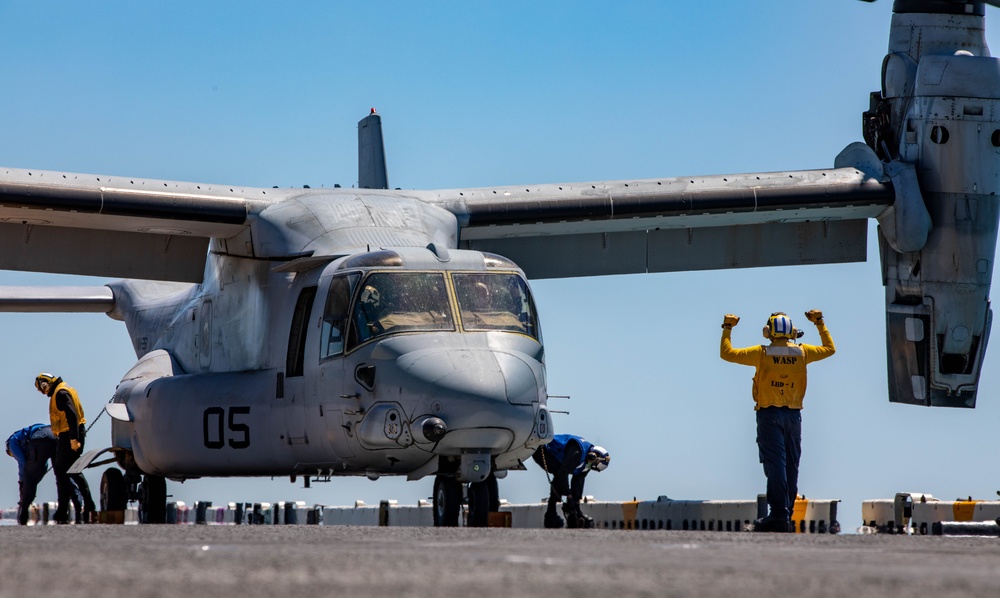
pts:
pixel 564 456
pixel 32 447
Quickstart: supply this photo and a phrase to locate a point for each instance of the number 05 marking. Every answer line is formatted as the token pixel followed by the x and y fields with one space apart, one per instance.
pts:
pixel 214 429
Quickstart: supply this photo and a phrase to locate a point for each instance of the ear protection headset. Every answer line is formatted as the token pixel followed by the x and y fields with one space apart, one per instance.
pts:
pixel 44 381
pixel 598 458
pixel 779 325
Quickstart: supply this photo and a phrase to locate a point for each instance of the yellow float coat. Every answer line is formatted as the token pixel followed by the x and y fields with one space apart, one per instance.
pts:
pixel 780 380
pixel 56 416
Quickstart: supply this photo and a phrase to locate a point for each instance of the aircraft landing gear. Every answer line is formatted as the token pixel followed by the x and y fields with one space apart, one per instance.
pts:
pixel 153 499
pixel 118 489
pixel 484 497
pixel 114 490
pixel 447 501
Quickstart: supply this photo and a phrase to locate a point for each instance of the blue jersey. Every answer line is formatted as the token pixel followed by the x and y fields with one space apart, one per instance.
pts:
pixel 18 444
pixel 555 450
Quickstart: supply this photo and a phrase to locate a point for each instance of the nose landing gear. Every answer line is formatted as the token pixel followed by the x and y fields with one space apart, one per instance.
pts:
pixel 483 498
pixel 118 489
pixel 447 501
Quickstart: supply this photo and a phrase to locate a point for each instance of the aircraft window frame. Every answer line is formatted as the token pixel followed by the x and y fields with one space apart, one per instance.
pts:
pixel 337 317
pixel 384 307
pixel 295 355
pixel 495 301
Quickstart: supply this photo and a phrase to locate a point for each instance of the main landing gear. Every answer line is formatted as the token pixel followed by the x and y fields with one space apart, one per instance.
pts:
pixel 118 489
pixel 483 497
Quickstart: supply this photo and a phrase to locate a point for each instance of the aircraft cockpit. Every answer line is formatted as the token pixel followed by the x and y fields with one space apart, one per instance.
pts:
pixel 362 306
pixel 391 302
pixel 495 301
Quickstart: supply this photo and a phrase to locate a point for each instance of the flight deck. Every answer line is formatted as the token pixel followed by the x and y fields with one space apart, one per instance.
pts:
pixel 304 560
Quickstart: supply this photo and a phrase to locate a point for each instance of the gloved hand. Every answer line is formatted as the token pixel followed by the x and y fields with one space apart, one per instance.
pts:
pixel 730 320
pixel 815 316
pixel 74 444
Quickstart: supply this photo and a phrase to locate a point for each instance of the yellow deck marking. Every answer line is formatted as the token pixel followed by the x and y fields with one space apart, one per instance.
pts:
pixel 799 513
pixel 963 509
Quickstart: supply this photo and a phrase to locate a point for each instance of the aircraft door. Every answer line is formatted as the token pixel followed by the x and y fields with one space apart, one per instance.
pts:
pixel 336 410
pixel 294 389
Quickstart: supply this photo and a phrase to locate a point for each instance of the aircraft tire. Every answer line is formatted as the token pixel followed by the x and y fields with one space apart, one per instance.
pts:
pixel 494 493
pixel 447 501
pixel 114 493
pixel 483 497
pixel 153 500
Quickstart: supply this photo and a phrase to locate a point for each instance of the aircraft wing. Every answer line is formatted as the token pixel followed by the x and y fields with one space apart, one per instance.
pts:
pixel 159 230
pixel 117 226
pixel 674 224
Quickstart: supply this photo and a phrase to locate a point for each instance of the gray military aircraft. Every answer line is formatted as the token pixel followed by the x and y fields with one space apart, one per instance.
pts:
pixel 326 332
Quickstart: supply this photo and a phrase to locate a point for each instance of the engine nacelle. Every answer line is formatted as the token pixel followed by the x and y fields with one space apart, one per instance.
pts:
pixel 939 110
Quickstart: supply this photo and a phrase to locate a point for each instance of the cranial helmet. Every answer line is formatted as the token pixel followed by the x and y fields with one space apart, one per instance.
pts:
pixel 371 297
pixel 598 458
pixel 780 326
pixel 44 381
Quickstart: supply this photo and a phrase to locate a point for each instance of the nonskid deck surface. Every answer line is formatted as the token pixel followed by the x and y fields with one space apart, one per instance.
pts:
pixel 172 560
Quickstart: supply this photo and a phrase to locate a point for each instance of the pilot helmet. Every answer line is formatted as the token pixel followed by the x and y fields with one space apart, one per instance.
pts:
pixel 371 297
pixel 44 381
pixel 598 458
pixel 480 295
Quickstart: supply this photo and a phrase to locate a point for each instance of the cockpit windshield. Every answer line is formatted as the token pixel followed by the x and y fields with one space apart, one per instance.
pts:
pixel 495 301
pixel 391 302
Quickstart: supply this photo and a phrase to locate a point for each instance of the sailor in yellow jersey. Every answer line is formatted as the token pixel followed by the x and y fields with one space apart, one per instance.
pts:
pixel 66 417
pixel 779 385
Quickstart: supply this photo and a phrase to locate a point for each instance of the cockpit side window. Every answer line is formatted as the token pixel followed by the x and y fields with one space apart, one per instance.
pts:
pixel 495 301
pixel 391 302
pixel 335 315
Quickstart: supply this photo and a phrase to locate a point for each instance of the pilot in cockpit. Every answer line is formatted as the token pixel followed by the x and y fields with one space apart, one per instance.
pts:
pixel 489 308
pixel 480 297
pixel 369 312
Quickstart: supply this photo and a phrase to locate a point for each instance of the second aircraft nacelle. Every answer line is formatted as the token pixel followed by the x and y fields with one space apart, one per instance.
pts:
pixel 936 126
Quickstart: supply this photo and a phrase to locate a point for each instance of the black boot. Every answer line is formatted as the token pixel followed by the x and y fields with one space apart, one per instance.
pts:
pixel 772 524
pixel 573 515
pixel 553 520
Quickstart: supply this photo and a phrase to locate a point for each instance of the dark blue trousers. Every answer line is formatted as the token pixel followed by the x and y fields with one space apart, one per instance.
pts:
pixel 779 441
pixel 34 471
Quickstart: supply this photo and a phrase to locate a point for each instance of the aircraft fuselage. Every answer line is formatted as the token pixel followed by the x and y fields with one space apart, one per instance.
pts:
pixel 271 372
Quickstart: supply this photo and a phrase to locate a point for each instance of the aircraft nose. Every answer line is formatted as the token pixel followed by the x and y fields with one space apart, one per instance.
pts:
pixel 483 374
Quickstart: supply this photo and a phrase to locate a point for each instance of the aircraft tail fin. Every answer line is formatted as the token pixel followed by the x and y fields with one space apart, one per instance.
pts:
pixel 371 153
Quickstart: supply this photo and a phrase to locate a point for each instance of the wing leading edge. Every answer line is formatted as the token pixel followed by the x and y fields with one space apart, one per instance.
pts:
pixel 661 225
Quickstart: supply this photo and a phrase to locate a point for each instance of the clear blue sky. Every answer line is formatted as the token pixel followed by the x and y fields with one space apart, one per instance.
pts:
pixel 476 94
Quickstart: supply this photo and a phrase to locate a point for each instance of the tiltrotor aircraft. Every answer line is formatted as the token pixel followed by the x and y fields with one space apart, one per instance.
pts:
pixel 369 331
